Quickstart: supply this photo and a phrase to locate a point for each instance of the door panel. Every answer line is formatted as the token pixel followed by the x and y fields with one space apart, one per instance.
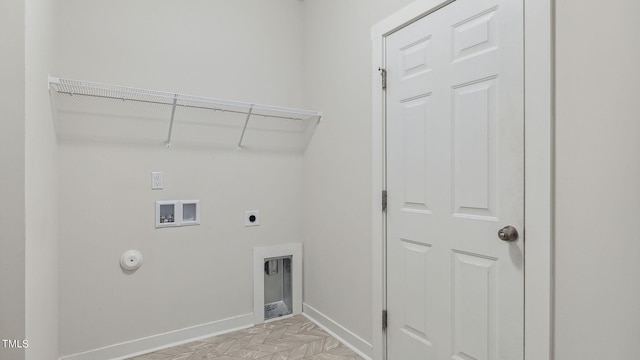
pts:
pixel 474 151
pixel 454 178
pixel 415 137
pixel 474 328
pixel 416 321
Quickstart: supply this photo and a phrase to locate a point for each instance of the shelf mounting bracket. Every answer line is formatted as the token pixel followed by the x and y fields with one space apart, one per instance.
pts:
pixel 246 122
pixel 173 114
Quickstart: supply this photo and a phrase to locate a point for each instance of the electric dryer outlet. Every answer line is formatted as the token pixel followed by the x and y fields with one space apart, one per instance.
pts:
pixel 252 218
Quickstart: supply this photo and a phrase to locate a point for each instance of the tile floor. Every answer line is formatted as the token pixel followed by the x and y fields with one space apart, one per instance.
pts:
pixel 293 338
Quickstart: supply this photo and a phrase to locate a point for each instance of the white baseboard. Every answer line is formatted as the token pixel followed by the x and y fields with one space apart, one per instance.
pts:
pixel 149 344
pixel 351 340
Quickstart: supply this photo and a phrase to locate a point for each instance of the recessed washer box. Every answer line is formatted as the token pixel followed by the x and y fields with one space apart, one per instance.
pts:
pixel 172 213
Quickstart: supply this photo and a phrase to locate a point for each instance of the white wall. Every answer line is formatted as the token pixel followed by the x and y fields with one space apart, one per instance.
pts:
pixel 239 50
pixel 597 172
pixel 597 180
pixel 28 274
pixel 203 50
pixel 12 186
pixel 41 218
pixel 338 244
pixel 249 50
pixel 223 50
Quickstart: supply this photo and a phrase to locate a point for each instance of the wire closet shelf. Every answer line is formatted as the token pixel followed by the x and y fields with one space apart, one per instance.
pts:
pixel 71 88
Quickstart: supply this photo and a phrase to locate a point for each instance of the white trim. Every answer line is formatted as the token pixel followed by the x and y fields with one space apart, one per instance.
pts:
pixel 539 184
pixel 157 342
pixel 405 16
pixel 349 339
pixel 539 155
pixel 378 178
pixel 266 252
pixel 279 318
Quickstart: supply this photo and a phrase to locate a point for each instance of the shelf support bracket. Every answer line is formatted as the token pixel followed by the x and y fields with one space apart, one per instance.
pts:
pixel 173 114
pixel 246 122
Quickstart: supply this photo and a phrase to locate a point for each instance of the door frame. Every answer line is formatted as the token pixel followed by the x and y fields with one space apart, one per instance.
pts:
pixel 539 172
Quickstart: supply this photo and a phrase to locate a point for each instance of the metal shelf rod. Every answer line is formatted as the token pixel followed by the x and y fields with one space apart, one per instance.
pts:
pixel 246 122
pixel 129 93
pixel 113 98
pixel 184 105
pixel 173 114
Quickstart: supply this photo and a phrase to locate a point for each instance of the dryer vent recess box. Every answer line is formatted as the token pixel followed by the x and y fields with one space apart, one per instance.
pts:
pixel 171 213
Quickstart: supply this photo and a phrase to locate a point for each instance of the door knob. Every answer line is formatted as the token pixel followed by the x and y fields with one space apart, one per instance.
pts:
pixel 508 233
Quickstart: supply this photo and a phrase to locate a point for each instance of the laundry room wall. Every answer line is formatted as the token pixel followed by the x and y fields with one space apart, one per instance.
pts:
pixel 239 50
pixel 337 169
pixel 28 271
pixel 12 180
pixel 41 191
pixel 597 291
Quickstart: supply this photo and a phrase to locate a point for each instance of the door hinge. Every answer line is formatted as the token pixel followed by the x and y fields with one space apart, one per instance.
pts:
pixel 384 319
pixel 384 200
pixel 383 73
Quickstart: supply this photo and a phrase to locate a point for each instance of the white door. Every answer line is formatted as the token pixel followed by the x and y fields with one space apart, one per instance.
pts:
pixel 455 161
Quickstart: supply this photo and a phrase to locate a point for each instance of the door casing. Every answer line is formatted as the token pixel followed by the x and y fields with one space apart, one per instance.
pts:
pixel 539 174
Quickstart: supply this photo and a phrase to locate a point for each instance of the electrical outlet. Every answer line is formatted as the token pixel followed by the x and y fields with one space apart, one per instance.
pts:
pixel 156 181
pixel 252 218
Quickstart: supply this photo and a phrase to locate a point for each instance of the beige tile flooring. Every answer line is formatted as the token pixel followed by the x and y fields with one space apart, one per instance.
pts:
pixel 292 338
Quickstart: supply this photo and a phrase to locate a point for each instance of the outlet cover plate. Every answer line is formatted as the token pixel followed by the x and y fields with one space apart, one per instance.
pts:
pixel 156 181
pixel 252 218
